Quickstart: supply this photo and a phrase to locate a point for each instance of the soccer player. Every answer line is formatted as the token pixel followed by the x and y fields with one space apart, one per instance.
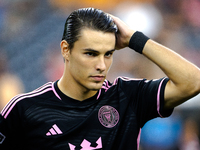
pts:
pixel 83 110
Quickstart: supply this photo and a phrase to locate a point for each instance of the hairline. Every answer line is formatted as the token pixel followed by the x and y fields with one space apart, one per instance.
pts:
pixel 89 28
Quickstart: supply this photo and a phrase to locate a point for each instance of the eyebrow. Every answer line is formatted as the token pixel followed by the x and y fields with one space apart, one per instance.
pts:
pixel 92 50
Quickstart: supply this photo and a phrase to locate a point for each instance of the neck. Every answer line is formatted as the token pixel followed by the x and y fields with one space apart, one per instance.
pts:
pixel 73 91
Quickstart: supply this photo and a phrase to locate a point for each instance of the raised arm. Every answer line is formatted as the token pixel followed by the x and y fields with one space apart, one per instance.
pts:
pixel 184 76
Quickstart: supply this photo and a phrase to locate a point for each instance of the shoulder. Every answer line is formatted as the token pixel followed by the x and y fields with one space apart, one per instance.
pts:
pixel 134 84
pixel 121 83
pixel 122 80
pixel 27 99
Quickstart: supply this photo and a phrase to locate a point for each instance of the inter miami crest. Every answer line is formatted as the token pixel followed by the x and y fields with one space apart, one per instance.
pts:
pixel 108 116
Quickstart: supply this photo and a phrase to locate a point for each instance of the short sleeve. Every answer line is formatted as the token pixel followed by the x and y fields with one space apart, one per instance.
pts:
pixel 10 131
pixel 147 98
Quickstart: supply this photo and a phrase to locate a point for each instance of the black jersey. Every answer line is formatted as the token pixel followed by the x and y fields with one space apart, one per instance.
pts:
pixel 111 120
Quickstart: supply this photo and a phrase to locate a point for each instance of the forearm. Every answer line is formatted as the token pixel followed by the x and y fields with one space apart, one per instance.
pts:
pixel 173 65
pixel 184 76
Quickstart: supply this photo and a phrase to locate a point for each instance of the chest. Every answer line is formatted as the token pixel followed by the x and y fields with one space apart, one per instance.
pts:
pixel 100 124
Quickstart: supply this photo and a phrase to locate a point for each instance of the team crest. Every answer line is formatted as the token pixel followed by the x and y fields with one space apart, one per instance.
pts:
pixel 108 116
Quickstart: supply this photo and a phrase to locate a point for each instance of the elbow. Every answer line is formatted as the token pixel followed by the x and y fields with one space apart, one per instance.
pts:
pixel 198 85
pixel 190 90
pixel 193 82
pixel 195 86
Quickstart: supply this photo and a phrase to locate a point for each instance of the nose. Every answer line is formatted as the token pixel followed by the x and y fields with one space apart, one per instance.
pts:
pixel 101 65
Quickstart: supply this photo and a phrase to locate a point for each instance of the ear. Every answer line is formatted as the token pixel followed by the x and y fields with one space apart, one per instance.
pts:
pixel 65 51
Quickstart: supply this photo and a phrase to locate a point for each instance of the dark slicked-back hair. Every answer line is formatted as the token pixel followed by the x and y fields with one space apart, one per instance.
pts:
pixel 86 18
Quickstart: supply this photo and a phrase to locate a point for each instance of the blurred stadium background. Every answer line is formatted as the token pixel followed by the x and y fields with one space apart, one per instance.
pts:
pixel 30 34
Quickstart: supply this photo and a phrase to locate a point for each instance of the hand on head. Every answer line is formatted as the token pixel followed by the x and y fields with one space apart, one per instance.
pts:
pixel 124 33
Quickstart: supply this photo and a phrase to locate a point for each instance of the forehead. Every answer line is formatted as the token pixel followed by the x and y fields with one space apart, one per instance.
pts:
pixel 94 39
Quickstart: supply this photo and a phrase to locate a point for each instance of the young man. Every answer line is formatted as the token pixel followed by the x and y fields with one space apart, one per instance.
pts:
pixel 84 111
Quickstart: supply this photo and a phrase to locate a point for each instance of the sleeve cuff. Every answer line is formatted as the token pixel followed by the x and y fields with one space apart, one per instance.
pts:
pixel 160 100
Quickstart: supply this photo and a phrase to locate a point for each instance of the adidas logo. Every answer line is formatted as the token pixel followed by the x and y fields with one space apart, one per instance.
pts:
pixel 54 131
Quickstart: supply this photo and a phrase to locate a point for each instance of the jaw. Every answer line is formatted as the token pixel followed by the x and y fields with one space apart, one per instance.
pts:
pixel 92 86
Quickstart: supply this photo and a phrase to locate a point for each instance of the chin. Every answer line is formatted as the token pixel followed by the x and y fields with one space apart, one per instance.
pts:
pixel 96 87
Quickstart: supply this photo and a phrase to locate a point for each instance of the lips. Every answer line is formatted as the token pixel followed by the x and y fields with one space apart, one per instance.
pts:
pixel 98 78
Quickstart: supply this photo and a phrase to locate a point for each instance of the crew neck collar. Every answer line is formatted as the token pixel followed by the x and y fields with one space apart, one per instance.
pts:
pixel 72 101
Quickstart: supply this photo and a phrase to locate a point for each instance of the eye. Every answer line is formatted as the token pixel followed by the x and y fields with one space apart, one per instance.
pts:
pixel 91 54
pixel 108 54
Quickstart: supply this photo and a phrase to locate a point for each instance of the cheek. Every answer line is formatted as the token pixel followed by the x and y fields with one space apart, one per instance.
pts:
pixel 79 67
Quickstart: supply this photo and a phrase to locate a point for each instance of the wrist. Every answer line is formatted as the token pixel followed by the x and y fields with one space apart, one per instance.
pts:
pixel 129 35
pixel 138 41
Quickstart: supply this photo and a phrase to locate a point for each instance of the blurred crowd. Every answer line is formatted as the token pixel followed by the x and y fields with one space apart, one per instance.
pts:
pixel 31 31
